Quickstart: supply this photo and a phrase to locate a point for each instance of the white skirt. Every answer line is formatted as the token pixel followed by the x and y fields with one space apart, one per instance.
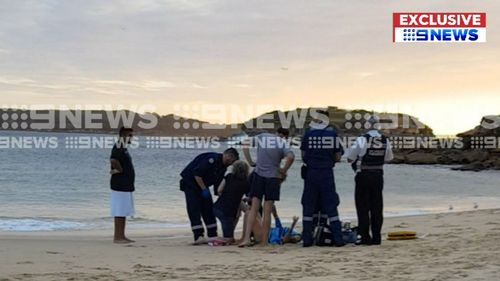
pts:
pixel 122 204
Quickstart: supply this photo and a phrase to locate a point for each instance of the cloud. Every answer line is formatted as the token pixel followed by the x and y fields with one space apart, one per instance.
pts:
pixel 113 82
pixel 157 85
pixel 142 48
pixel 198 86
pixel 101 91
pixel 24 82
pixel 147 85
pixel 242 85
pixel 364 74
pixel 16 81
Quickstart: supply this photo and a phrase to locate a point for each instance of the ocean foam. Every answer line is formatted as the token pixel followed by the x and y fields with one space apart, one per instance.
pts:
pixel 28 224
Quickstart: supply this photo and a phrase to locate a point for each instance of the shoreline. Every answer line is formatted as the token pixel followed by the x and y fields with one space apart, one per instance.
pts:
pixel 461 245
pixel 184 230
pixel 180 232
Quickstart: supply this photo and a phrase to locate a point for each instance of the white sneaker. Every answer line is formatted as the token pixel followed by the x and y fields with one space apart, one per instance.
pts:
pixel 200 241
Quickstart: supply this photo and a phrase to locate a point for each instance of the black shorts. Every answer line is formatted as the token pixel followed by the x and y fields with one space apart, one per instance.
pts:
pixel 267 188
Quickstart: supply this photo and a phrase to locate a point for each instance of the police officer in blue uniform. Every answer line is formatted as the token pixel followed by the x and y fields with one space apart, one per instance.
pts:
pixel 206 170
pixel 368 155
pixel 320 150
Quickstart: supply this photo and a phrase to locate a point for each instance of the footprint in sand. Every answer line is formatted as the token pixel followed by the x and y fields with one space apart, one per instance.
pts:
pixel 447 226
pixel 141 266
pixel 25 262
pixel 53 253
pixel 401 225
pixel 230 252
pixel 134 246
pixel 101 268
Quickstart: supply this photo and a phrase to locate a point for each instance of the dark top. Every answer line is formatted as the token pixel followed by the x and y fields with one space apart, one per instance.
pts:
pixel 375 152
pixel 320 147
pixel 125 180
pixel 208 166
pixel 229 200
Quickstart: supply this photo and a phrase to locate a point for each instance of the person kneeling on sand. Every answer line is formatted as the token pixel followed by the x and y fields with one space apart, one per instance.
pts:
pixel 231 191
pixel 206 170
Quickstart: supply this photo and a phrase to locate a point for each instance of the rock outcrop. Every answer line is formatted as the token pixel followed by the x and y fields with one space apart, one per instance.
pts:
pixel 481 150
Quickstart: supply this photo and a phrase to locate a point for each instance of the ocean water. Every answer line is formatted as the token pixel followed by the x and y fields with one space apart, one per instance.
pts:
pixel 68 189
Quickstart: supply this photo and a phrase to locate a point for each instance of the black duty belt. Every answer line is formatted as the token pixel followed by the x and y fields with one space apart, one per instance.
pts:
pixel 372 168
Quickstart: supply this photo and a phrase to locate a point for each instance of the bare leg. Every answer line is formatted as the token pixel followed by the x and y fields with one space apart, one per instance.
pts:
pixel 252 215
pixel 244 208
pixel 257 227
pixel 266 222
pixel 119 236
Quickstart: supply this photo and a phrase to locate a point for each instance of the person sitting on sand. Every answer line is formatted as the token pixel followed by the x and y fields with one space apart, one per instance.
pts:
pixel 284 234
pixel 231 191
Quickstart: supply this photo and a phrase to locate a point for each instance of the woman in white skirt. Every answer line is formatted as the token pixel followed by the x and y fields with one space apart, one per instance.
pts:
pixel 122 185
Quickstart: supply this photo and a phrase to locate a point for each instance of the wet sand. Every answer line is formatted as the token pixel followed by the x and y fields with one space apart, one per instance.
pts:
pixel 454 246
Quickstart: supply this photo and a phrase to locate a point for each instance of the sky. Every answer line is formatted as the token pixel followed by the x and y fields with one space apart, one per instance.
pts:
pixel 177 56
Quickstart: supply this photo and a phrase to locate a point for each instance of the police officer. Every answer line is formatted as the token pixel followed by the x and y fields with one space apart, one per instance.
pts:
pixel 320 150
pixel 206 170
pixel 368 155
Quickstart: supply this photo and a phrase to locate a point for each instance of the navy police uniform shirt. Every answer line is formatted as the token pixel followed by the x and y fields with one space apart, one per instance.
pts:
pixel 320 147
pixel 124 181
pixel 208 166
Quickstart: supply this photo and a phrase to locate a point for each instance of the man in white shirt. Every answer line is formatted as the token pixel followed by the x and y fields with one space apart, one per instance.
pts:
pixel 369 154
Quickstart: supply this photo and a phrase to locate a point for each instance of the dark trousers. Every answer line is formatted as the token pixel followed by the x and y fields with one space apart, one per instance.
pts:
pixel 369 204
pixel 319 189
pixel 318 217
pixel 228 223
pixel 198 208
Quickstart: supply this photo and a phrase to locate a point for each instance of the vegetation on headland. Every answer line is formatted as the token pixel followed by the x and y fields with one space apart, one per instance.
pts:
pixel 469 155
pixel 100 121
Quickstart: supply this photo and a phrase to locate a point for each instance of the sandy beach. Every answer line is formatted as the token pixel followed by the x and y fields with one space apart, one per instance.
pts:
pixel 454 246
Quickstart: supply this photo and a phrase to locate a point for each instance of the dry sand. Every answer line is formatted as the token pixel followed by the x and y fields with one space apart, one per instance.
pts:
pixel 458 246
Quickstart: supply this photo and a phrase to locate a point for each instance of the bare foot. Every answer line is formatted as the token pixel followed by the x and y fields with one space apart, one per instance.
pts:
pixel 245 244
